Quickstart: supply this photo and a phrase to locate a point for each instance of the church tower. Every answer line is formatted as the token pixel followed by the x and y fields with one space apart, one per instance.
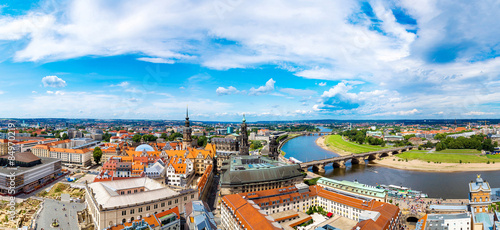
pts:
pixel 273 148
pixel 244 138
pixel 186 132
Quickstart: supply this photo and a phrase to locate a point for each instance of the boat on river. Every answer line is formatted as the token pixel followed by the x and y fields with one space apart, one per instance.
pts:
pixel 292 159
pixel 402 192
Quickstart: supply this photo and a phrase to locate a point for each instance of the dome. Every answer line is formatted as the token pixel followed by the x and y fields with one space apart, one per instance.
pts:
pixel 143 147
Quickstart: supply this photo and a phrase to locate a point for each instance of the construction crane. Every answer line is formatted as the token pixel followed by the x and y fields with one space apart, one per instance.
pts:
pixel 484 122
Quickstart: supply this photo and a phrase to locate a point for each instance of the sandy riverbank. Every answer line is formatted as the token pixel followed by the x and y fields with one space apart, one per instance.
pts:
pixel 416 165
pixel 321 143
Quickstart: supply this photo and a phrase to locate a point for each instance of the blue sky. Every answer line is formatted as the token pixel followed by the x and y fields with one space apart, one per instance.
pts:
pixel 272 60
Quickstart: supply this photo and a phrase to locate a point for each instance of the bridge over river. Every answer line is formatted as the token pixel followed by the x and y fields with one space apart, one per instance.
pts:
pixel 339 162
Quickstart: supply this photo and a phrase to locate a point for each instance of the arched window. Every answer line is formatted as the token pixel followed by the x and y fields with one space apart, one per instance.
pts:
pixel 111 223
pixel 132 219
pixel 123 221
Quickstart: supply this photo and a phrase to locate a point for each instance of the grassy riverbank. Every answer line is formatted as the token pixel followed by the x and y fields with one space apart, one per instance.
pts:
pixel 337 144
pixel 451 156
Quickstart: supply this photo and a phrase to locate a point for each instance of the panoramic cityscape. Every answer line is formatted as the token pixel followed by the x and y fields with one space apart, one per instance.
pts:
pixel 235 115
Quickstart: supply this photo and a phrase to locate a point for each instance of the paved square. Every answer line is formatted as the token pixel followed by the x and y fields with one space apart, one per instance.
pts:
pixel 64 212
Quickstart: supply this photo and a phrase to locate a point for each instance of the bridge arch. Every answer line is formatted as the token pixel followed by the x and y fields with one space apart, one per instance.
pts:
pixel 372 157
pixel 412 219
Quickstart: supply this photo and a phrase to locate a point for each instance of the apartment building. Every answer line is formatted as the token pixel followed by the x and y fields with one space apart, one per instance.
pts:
pixel 77 157
pixel 4 147
pixel 249 210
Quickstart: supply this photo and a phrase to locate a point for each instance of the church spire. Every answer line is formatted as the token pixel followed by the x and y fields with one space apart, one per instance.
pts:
pixel 187 112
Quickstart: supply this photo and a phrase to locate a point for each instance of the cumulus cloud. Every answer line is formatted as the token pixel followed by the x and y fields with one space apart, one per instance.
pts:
pixel 226 91
pixel 265 89
pixel 322 84
pixel 454 45
pixel 1 92
pixel 53 81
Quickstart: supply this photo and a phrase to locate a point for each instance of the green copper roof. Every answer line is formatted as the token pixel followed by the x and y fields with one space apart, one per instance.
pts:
pixel 363 189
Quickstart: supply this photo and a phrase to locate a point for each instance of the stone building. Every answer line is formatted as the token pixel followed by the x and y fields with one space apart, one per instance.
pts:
pixel 119 201
pixel 256 173
pixel 225 144
pixel 479 195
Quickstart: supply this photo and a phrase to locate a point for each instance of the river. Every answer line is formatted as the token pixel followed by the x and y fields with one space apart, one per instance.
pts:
pixel 436 185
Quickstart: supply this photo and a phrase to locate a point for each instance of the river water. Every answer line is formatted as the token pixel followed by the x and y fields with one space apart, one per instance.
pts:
pixel 436 185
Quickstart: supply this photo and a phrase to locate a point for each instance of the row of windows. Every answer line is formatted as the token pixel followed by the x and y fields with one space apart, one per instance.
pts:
pixel 132 211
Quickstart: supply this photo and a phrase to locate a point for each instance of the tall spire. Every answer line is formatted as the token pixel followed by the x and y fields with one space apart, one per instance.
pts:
pixel 187 112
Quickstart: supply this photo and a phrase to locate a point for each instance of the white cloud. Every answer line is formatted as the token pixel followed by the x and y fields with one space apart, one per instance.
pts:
pixel 1 92
pixel 156 60
pixel 265 89
pixel 386 54
pixel 122 84
pixel 477 113
pixel 55 93
pixel 226 91
pixel 33 92
pixel 53 81
pixel 322 84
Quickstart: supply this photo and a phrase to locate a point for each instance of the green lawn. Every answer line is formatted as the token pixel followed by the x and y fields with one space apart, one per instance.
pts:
pixel 462 151
pixel 336 142
pixel 447 157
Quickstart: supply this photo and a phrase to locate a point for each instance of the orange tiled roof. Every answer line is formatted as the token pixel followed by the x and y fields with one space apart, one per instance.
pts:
pixel 204 179
pixel 172 210
pixel 250 217
pixel 62 150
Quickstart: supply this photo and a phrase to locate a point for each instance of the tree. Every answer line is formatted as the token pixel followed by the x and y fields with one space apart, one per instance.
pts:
pixel 106 137
pixel 440 146
pixel 202 141
pixel 65 136
pixel 173 136
pixel 97 154
pixel 149 137
pixel 137 138
pixel 256 145
pixel 164 136
pixel 407 137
